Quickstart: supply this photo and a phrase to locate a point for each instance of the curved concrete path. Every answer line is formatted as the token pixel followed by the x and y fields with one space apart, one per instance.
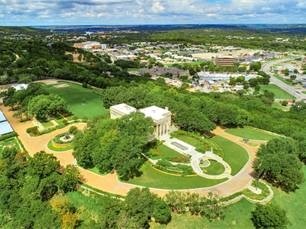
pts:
pixel 197 157
pixel 110 183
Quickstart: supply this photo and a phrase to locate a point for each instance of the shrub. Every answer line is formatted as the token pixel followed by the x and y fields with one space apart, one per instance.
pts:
pixel 73 130
pixel 33 131
pixel 269 216
pixel 7 136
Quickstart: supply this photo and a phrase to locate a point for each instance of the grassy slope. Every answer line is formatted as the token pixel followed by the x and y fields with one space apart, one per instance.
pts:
pixel 232 153
pixel 164 152
pixel 82 102
pixel 238 215
pixel 251 133
pixel 278 92
pixel 156 179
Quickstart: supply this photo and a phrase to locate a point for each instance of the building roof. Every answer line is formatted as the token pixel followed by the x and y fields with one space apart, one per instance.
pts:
pixel 2 117
pixel 154 112
pixel 124 108
pixel 5 128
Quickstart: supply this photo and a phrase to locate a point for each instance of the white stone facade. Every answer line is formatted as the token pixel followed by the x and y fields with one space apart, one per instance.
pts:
pixel 161 117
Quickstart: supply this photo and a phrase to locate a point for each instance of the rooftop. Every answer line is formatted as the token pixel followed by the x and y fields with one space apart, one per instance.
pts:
pixel 2 117
pixel 154 112
pixel 124 108
pixel 5 128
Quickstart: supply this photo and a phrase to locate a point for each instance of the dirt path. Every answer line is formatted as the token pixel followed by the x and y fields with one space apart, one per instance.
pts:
pixel 110 183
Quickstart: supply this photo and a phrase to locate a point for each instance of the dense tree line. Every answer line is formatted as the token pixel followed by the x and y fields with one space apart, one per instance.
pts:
pixel 115 145
pixel 191 112
pixel 33 59
pixel 137 211
pixel 278 162
pixel 36 102
pixel 28 185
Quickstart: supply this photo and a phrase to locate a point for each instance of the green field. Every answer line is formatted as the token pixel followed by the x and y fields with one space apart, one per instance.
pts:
pixel 278 92
pixel 82 102
pixel 163 152
pixel 215 168
pixel 238 215
pixel 251 133
pixel 157 179
pixel 232 153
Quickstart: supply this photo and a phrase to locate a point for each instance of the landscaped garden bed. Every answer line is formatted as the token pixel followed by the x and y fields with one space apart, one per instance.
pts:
pixel 64 141
pixel 155 178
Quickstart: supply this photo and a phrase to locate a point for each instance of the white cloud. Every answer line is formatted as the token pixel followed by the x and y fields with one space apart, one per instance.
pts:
pixel 154 11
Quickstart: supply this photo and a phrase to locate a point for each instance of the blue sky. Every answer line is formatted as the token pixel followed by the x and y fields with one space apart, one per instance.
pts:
pixel 77 12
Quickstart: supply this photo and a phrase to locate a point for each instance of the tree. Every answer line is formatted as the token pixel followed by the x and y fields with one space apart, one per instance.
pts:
pixel 161 211
pixel 43 106
pixel 255 66
pixel 269 216
pixel 69 179
pixel 278 163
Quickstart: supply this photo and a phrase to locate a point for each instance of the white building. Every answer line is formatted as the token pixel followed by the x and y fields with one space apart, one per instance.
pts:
pixel 161 117
pixel 117 111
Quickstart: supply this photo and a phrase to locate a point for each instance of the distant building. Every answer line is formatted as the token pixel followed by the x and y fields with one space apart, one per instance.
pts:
pixel 90 45
pixel 161 117
pixel 225 61
pixel 163 71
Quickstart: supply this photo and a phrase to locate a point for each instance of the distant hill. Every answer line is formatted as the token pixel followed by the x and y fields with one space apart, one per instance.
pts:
pixel 285 28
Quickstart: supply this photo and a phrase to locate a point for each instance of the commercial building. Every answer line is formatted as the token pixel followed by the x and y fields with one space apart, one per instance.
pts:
pixel 225 61
pixel 161 117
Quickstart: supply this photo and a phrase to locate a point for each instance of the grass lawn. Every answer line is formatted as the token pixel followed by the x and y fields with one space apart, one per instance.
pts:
pixel 278 92
pixel 82 102
pixel 157 179
pixel 163 152
pixel 232 153
pixel 238 215
pixel 90 207
pixel 215 168
pixel 251 133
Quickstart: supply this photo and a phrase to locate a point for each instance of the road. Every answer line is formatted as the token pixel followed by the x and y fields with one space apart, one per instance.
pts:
pixel 267 68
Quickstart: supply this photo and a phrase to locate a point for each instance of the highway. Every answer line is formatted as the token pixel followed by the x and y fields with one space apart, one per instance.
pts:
pixel 267 68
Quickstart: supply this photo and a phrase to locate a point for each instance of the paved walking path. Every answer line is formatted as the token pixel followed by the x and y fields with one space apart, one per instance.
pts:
pixel 110 183
pixel 197 157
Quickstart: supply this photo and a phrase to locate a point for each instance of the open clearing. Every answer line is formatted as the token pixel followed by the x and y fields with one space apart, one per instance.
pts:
pixel 82 102
pixel 278 92
pixel 252 133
